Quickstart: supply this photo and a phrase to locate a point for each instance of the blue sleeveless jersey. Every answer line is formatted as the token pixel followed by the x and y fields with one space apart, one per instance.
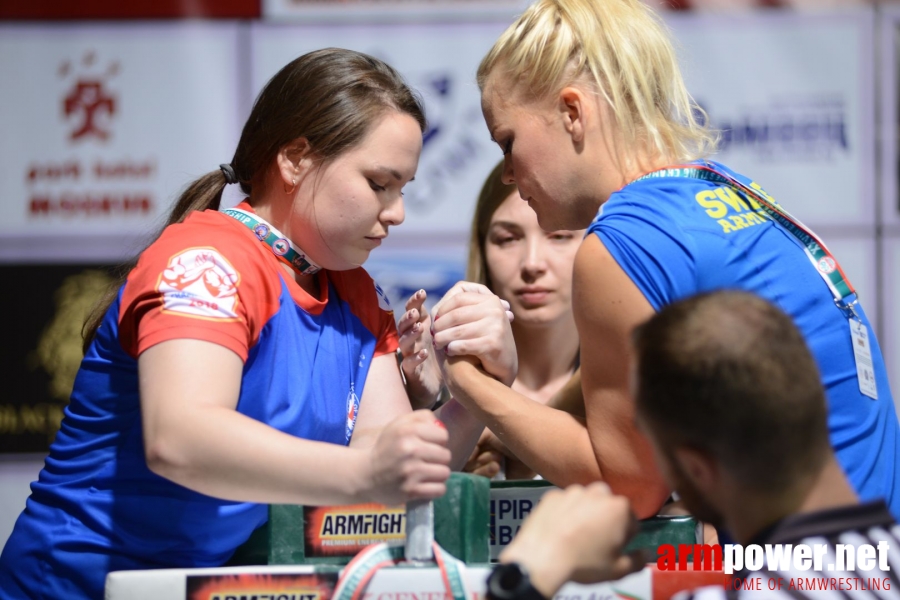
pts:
pixel 675 237
pixel 96 506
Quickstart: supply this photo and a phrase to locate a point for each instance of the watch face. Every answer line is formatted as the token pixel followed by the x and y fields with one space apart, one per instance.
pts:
pixel 511 576
pixel 507 580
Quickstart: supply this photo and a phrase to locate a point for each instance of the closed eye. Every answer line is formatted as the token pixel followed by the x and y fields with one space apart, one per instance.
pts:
pixel 375 186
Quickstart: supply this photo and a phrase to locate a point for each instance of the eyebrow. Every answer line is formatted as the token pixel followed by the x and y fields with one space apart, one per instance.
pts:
pixel 394 173
pixel 506 224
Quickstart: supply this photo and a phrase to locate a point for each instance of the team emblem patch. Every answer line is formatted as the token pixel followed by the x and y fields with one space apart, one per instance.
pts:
pixel 826 265
pixel 352 411
pixel 383 302
pixel 200 282
pixel 281 246
pixel 261 231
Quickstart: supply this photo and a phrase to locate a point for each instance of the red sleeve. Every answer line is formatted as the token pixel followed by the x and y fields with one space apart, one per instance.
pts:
pixel 204 279
pixel 368 302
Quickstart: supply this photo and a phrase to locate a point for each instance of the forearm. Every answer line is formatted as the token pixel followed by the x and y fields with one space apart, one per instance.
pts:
pixel 222 453
pixel 551 442
pixel 464 430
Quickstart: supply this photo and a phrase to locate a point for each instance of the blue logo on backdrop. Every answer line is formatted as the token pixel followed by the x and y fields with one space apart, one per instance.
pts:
pixel 809 129
pixel 456 144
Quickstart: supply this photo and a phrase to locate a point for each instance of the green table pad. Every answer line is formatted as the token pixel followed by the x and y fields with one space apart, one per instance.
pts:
pixel 332 535
pixel 474 521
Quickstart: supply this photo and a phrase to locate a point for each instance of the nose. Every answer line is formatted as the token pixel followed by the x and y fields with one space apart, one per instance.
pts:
pixel 393 213
pixel 534 263
pixel 507 175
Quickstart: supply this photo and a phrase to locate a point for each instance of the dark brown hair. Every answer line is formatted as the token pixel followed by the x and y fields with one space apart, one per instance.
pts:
pixel 493 193
pixel 330 97
pixel 730 374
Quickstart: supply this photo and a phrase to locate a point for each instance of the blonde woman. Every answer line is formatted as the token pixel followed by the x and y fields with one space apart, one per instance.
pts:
pixel 587 103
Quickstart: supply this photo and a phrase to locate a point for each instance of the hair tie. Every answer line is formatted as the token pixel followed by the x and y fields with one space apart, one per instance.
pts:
pixel 228 172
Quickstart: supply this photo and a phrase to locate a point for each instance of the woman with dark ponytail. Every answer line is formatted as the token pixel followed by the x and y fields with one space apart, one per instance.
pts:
pixel 247 359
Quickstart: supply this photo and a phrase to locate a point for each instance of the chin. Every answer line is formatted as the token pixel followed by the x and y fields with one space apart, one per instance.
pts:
pixel 557 220
pixel 536 316
pixel 344 262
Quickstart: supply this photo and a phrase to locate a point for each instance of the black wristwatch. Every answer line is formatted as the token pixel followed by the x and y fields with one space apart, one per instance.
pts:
pixel 510 581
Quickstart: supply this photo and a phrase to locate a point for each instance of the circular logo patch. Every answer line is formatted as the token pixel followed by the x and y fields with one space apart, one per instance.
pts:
pixel 827 265
pixel 281 246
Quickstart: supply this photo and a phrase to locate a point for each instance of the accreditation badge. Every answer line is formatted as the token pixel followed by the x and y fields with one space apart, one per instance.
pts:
pixel 862 351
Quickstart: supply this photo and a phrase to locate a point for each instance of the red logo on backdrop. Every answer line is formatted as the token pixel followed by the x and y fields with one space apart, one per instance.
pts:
pixel 89 103
pixel 82 185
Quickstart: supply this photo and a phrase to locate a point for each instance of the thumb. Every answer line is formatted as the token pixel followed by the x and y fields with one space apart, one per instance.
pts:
pixel 627 564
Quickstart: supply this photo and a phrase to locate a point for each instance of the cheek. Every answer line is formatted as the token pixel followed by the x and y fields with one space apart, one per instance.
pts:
pixel 502 267
pixel 564 263
pixel 343 208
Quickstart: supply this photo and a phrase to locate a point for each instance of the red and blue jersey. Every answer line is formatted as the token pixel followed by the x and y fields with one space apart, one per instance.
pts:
pixel 96 506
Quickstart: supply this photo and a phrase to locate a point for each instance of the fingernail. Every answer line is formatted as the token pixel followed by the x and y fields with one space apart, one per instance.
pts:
pixel 423 353
pixel 437 317
pixel 440 424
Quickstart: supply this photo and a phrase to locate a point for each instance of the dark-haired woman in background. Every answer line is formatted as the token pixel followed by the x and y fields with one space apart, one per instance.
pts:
pixel 247 359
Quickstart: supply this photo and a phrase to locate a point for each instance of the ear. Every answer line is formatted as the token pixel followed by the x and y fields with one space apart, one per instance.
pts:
pixel 573 104
pixel 293 160
pixel 700 467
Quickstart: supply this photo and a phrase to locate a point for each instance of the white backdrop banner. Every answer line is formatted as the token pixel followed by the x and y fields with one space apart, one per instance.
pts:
pixel 390 10
pixel 103 125
pixel 795 98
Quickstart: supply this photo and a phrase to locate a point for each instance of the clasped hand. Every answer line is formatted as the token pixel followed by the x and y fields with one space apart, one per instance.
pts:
pixel 470 321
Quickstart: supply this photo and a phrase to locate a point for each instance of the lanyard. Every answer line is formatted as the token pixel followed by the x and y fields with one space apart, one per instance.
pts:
pixel 821 258
pixel 280 245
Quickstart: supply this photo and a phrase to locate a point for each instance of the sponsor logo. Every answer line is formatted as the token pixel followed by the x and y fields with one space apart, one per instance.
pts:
pixel 509 507
pixel 261 586
pixel 200 282
pixel 261 231
pixel 346 530
pixel 91 204
pixel 454 148
pixel 802 129
pixel 89 105
pixel 300 261
pixel 383 302
pixel 352 411
pixel 281 246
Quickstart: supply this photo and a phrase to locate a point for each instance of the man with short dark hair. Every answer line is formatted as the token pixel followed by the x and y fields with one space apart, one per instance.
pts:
pixel 731 400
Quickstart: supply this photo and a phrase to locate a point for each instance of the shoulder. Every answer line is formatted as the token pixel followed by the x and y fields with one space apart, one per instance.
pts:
pixel 206 266
pixel 204 236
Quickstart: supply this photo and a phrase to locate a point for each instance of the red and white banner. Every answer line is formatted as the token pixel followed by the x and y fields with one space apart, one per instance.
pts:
pixel 103 125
